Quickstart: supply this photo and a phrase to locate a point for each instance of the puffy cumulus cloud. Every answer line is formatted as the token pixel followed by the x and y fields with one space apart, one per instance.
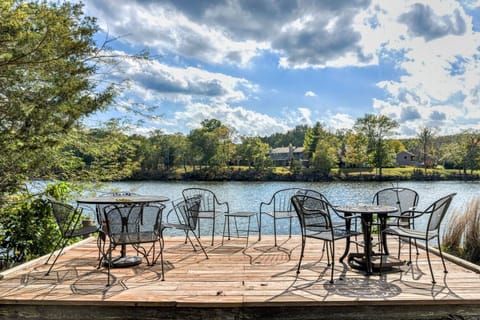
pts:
pixel 243 121
pixel 310 94
pixel 167 29
pixel 409 114
pixel 304 33
pixel 339 121
pixel 305 115
pixel 153 82
pixel 328 38
pixel 422 21
pixel 434 46
pixel 296 116
pixel 470 4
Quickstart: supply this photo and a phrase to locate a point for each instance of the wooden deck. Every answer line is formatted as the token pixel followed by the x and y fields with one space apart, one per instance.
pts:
pixel 258 282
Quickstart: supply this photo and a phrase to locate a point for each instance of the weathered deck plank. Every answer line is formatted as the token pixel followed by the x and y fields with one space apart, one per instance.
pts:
pixel 236 283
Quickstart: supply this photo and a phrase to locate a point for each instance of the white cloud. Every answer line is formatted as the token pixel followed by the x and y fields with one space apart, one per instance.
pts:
pixel 154 82
pixel 243 121
pixel 430 43
pixel 440 67
pixel 340 121
pixel 165 29
pixel 305 115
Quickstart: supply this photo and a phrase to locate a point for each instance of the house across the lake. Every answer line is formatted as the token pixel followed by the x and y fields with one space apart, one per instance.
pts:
pixel 406 158
pixel 285 155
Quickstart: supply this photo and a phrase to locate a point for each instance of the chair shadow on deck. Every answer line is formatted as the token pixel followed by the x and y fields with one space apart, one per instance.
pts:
pixel 423 288
pixel 93 283
pixel 270 254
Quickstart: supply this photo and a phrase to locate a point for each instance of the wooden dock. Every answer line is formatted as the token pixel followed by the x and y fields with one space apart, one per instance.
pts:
pixel 257 282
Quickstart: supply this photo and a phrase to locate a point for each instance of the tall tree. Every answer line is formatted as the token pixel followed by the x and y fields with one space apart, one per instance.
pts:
pixel 310 141
pixel 324 158
pixel 355 149
pixel 471 146
pixel 48 68
pixel 211 143
pixel 425 139
pixel 254 151
pixel 376 128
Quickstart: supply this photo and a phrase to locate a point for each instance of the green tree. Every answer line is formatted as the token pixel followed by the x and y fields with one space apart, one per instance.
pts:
pixel 376 128
pixel 48 81
pixel 295 137
pixel 102 154
pixel 425 139
pixel 310 141
pixel 471 154
pixel 355 149
pixel 451 155
pixel 324 157
pixel 254 151
pixel 210 144
pixel 225 147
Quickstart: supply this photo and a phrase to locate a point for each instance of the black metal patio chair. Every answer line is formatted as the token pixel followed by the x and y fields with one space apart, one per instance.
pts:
pixel 210 206
pixel 406 200
pixel 280 207
pixel 186 219
pixel 435 214
pixel 100 217
pixel 69 222
pixel 137 225
pixel 315 216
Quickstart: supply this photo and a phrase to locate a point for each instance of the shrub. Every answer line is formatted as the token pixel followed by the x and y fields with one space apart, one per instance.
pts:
pixel 27 226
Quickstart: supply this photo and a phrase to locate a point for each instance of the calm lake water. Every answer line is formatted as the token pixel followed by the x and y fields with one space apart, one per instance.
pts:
pixel 246 196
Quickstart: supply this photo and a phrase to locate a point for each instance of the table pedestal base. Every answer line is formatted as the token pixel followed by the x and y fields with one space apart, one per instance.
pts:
pixel 125 262
pixel 358 261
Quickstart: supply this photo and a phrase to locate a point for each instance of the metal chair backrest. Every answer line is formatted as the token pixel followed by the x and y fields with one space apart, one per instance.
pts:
pixel 437 212
pixel 187 212
pixel 313 213
pixel 403 198
pixel 66 216
pixel 208 199
pixel 101 207
pixel 123 219
pixel 281 199
pixel 131 219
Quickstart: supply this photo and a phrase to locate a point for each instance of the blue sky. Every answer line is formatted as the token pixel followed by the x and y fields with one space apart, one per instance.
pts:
pixel 265 66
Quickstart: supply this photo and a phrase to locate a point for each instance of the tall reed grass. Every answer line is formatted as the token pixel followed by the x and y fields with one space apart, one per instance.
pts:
pixel 462 232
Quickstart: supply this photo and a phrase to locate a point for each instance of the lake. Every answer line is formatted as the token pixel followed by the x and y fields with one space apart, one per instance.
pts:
pixel 246 196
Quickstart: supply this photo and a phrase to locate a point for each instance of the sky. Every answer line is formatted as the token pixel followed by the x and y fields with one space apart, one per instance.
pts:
pixel 266 66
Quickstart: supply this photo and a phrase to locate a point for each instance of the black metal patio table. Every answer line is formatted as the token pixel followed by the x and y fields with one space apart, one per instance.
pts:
pixel 367 212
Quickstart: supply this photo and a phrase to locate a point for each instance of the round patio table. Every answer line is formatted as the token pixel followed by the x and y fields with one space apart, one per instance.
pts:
pixel 366 212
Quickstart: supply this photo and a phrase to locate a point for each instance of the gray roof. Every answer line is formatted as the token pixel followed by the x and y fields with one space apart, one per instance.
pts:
pixel 286 150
